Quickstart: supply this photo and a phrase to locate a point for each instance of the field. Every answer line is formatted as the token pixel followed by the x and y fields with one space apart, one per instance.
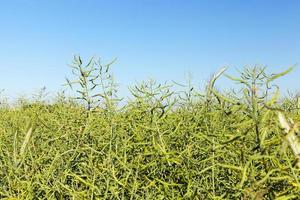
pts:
pixel 160 144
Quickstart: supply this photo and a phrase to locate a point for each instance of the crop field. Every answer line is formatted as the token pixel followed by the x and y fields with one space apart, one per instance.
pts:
pixel 161 143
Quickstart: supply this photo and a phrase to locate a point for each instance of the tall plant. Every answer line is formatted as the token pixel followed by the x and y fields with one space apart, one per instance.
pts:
pixel 256 89
pixel 94 83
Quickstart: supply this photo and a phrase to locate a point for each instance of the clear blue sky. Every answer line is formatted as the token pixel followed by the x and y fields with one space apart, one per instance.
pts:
pixel 160 39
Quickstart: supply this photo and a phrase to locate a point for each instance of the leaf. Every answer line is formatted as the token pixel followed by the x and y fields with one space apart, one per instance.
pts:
pixel 237 80
pixel 274 98
pixel 216 76
pixel 223 97
pixel 79 59
pixel 90 62
pixel 275 76
pixel 25 142
pixel 69 83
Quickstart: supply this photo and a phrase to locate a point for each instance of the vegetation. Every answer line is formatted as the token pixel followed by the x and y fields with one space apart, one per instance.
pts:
pixel 161 144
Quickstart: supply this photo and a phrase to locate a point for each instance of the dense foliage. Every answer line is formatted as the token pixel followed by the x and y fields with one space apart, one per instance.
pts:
pixel 161 144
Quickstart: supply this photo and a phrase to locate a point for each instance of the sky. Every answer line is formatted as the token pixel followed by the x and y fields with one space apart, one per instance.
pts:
pixel 160 39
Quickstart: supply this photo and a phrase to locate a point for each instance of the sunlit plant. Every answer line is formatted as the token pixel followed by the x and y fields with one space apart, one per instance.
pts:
pixel 93 83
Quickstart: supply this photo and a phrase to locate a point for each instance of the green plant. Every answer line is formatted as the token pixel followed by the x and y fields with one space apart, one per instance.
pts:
pixel 94 84
pixel 162 144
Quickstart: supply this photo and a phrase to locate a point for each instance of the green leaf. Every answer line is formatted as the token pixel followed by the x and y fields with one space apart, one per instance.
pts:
pixel 275 76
